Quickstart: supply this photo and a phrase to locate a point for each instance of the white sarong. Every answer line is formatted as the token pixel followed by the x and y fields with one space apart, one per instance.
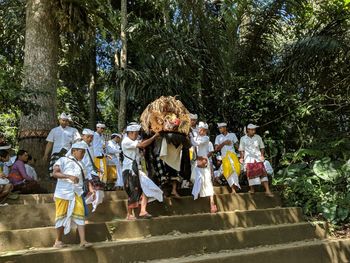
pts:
pixel 203 185
pixel 99 195
pixel 150 189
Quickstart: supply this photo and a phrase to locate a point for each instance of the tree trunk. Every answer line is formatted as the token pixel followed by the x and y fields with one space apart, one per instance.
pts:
pixel 166 13
pixel 244 25
pixel 92 85
pixel 123 65
pixel 41 77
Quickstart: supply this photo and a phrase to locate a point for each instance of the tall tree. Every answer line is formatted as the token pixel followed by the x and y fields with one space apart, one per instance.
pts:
pixel 41 75
pixel 123 65
pixel 92 82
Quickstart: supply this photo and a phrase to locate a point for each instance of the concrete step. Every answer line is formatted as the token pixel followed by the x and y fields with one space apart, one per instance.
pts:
pixel 51 184
pixel 168 246
pixel 109 195
pixel 315 251
pixel 122 229
pixel 32 199
pixel 41 215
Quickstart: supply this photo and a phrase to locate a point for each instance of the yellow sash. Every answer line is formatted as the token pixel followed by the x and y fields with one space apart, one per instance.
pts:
pixel 230 162
pixel 191 153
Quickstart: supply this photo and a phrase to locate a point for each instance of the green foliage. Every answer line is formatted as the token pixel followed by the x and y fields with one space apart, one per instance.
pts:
pixel 9 126
pixel 320 185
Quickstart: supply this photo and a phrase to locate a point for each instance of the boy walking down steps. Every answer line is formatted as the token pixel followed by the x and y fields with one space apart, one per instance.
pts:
pixel 70 207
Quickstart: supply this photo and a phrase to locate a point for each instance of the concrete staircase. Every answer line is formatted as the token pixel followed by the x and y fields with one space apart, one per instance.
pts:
pixel 248 228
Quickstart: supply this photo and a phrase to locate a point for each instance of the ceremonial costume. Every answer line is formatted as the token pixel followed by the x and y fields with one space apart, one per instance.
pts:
pixel 99 145
pixel 254 166
pixel 114 166
pixel 229 157
pixel 136 181
pixel 68 196
pixel 91 174
pixel 203 185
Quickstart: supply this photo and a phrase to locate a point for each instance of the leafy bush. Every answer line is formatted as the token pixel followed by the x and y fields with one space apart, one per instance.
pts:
pixel 321 184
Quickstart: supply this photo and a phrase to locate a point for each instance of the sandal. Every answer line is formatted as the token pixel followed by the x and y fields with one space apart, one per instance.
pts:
pixel 13 196
pixel 213 209
pixel 86 245
pixel 145 216
pixel 59 244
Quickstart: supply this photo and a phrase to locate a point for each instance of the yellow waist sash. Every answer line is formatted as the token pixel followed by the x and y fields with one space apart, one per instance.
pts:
pixel 230 163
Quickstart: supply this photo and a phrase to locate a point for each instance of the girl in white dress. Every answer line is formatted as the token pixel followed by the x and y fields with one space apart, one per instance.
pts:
pixel 203 185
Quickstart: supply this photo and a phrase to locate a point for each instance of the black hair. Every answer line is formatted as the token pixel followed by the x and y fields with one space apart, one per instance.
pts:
pixel 20 153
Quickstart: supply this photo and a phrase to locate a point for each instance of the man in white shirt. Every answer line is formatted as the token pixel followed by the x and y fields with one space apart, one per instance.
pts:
pixel 99 146
pixel 136 184
pixel 60 140
pixel 96 187
pixel 194 127
pixel 252 151
pixel 114 165
pixel 69 172
pixel 87 137
pixel 188 157
pixel 203 185
pixel 226 141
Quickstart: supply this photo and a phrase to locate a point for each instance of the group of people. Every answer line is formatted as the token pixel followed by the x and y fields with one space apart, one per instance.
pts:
pixel 17 173
pixel 84 164
pixel 232 156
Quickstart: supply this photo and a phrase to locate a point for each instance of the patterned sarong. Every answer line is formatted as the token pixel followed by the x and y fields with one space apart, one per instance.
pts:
pixel 54 159
pixel 255 170
pixel 132 187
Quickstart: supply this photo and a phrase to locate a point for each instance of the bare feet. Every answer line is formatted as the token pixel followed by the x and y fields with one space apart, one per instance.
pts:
pixel 59 244
pixel 130 218
pixel 175 195
pixel 269 194
pixel 213 209
pixel 85 244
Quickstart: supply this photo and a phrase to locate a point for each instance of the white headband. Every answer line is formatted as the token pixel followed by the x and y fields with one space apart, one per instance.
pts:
pixel 116 135
pixel 222 124
pixel 88 132
pixel 252 126
pixel 133 128
pixel 203 125
pixel 100 125
pixel 65 116
pixel 79 145
pixel 193 116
